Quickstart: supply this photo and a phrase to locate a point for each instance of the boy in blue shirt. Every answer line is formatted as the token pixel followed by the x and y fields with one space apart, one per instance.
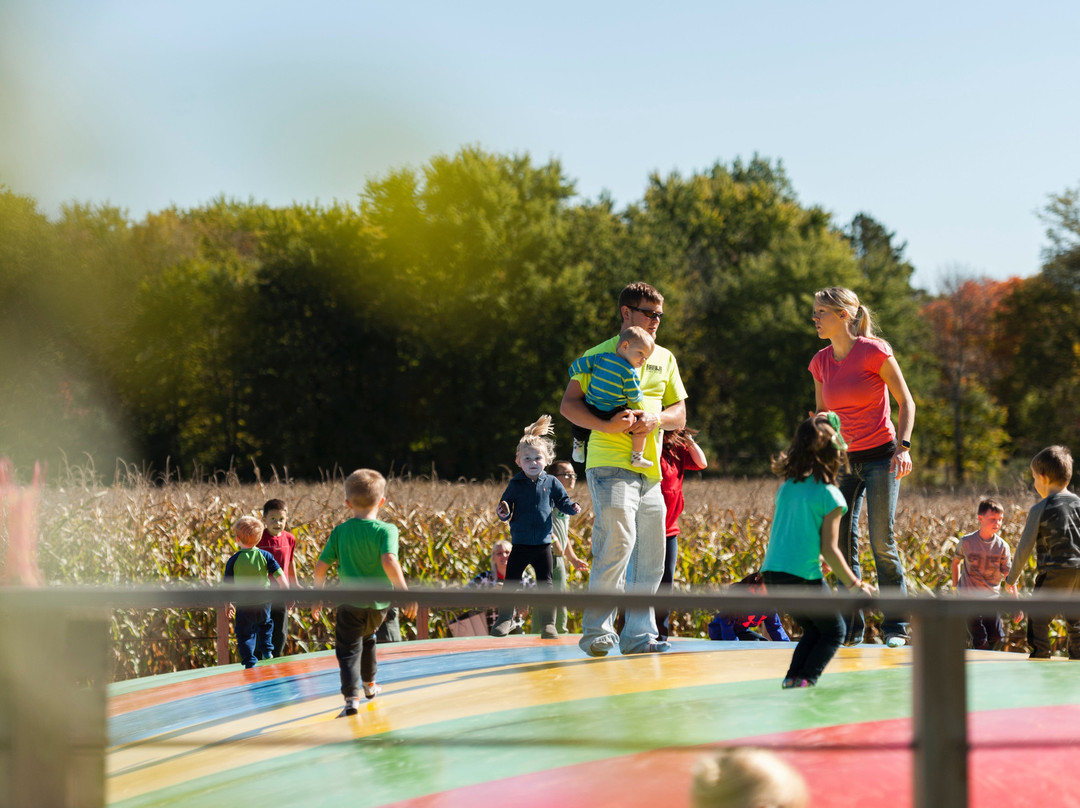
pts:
pixel 253 566
pixel 615 387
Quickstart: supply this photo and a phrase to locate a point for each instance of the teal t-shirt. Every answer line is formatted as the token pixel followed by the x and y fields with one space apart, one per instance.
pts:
pixel 795 538
pixel 357 546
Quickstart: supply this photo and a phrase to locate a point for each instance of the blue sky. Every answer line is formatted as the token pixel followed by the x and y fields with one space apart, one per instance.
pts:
pixel 949 123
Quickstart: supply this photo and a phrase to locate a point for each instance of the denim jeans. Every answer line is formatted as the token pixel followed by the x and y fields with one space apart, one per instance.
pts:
pixel 873 483
pixel 627 552
pixel 253 634
pixel 558 579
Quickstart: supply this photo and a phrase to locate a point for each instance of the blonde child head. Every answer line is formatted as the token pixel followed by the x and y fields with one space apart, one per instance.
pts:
pixel 747 778
pixel 537 437
pixel 248 530
pixel 365 488
pixel 635 345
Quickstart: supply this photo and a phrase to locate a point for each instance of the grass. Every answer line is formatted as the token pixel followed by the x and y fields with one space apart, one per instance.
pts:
pixel 142 531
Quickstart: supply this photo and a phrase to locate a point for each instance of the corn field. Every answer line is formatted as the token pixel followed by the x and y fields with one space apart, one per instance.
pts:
pixel 143 531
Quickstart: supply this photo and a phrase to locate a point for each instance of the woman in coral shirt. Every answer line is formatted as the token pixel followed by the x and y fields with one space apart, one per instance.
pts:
pixel 854 377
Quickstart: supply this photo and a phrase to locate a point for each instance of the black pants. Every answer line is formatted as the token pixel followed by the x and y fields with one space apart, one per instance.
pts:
pixel 279 616
pixel 1038 632
pixel 667 580
pixel 537 556
pixel 986 631
pixel 821 636
pixel 354 634
pixel 581 433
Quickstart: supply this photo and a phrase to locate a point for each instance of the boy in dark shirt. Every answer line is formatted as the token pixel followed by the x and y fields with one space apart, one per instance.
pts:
pixel 1053 531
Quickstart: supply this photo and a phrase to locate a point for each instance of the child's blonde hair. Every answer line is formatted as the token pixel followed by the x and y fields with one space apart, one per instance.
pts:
pixel 364 488
pixel 747 778
pixel 536 437
pixel 248 530
pixel 638 337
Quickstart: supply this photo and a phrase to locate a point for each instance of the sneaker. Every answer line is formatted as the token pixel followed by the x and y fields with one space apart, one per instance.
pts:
pixel 654 647
pixel 1039 655
pixel 578 455
pixel 371 690
pixel 638 461
pixel 502 626
pixel 601 647
pixel 896 641
pixel 352 706
pixel 549 632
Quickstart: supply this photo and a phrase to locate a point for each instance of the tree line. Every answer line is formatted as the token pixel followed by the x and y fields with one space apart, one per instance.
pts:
pixel 419 329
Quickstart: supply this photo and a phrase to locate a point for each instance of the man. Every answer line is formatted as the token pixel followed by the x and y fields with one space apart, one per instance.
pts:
pixel 628 533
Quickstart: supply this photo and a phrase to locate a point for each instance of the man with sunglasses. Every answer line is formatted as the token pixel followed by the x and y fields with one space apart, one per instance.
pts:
pixel 628 531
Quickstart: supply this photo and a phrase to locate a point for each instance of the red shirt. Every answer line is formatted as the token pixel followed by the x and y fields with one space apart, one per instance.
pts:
pixel 674 463
pixel 281 547
pixel 854 389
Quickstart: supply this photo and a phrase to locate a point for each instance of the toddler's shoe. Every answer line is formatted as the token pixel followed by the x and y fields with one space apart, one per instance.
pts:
pixel 549 632
pixel 371 690
pixel 578 455
pixel 638 461
pixel 896 641
pixel 502 626
pixel 788 684
pixel 352 706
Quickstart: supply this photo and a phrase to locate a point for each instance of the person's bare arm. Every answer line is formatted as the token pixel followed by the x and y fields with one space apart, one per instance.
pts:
pixel 894 379
pixel 574 410
pixel 830 549
pixel 956 571
pixel 668 419
pixel 321 568
pixel 393 571
pixel 819 398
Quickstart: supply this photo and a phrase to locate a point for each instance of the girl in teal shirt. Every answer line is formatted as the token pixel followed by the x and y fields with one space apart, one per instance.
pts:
pixel 806 526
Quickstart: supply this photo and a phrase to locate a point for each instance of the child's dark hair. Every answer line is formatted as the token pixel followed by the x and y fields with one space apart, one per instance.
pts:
pixel 274 505
pixel 812 451
pixel 679 438
pixel 990 505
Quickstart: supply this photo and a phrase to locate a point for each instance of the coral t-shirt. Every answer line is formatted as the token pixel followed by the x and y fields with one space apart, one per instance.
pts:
pixel 853 388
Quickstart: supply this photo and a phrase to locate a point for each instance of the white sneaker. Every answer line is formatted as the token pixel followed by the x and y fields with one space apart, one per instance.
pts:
pixel 896 641
pixel 578 455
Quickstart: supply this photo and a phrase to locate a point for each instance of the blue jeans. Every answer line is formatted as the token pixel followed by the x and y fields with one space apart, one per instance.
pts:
pixel 254 632
pixel 627 551
pixel 873 483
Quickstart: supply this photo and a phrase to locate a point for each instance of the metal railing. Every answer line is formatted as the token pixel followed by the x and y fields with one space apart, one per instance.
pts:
pixel 54 647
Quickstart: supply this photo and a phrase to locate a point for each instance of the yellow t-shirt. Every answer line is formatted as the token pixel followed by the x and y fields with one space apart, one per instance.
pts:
pixel 661 386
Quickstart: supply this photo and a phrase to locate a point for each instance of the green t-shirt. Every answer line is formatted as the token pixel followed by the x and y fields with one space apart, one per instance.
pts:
pixel 357 546
pixel 661 386
pixel 795 538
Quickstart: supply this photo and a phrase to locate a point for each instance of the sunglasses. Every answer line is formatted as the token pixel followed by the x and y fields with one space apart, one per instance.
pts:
pixel 650 313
